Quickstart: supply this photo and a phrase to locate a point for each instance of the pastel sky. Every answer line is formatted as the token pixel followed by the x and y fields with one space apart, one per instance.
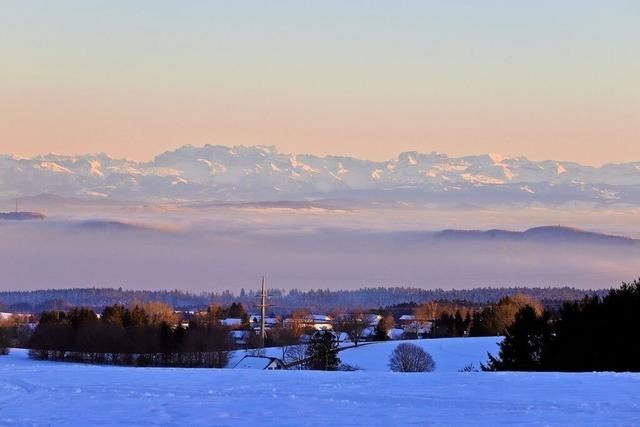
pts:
pixel 545 79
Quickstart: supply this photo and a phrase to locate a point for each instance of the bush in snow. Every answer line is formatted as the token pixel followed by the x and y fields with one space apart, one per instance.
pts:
pixel 348 368
pixel 469 368
pixel 409 357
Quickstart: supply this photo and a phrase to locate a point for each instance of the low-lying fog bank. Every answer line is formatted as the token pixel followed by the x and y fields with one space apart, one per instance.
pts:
pixel 229 247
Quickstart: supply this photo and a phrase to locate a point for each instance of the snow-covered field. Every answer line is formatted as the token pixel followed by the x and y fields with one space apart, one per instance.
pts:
pixel 450 354
pixel 51 393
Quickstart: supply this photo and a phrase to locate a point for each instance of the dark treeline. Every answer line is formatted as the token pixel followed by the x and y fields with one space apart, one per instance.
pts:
pixel 595 334
pixel 139 336
pixel 461 318
pixel 284 301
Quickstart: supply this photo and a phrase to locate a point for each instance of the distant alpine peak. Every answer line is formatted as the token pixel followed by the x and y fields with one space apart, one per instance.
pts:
pixel 262 172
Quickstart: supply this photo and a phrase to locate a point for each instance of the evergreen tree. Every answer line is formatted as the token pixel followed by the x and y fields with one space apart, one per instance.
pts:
pixel 136 316
pixel 237 311
pixel 52 317
pixel 467 323
pixel 525 342
pixel 4 341
pixel 459 327
pixel 179 335
pixel 80 316
pixel 479 326
pixel 322 352
pixel 113 314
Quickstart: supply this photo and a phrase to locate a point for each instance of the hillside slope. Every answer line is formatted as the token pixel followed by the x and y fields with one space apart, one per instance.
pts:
pixel 450 354
pixel 50 393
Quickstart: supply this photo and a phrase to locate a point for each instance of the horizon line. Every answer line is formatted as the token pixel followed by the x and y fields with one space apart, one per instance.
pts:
pixel 496 157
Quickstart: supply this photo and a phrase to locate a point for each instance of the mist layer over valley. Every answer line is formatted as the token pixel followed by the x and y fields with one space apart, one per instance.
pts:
pixel 216 246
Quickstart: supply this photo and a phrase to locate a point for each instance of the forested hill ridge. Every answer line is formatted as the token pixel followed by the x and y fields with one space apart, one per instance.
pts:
pixel 21 216
pixel 283 301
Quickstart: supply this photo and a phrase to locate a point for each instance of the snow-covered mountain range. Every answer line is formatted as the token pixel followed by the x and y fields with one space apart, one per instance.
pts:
pixel 262 173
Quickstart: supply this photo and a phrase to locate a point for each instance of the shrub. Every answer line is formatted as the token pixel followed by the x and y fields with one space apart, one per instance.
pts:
pixel 469 368
pixel 409 357
pixel 348 368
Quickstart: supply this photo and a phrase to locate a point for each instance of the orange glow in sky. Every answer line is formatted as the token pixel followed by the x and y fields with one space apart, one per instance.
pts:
pixel 554 80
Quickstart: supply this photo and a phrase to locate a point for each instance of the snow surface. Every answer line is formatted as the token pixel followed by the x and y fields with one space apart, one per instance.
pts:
pixel 450 354
pixel 53 393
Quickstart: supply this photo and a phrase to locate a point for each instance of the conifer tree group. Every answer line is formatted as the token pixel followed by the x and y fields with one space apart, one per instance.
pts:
pixel 138 335
pixel 595 334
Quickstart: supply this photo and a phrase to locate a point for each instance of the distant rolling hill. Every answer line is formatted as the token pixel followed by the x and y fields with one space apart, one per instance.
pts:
pixel 114 226
pixel 544 234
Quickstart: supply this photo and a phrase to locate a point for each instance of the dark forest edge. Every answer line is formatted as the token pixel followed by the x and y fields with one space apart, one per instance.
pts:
pixel 148 335
pixel 594 334
pixel 314 300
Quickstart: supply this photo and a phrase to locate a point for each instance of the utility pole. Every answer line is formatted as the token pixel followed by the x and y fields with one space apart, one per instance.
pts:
pixel 263 312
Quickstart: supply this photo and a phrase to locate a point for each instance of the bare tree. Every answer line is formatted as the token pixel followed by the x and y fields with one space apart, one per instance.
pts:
pixel 503 314
pixel 286 337
pixel 423 314
pixel 353 324
pixel 298 321
pixel 160 312
pixel 409 357
pixel 258 352
pixel 295 353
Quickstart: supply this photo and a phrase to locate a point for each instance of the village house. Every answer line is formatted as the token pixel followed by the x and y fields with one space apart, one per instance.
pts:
pixel 368 333
pixel 25 319
pixel 239 337
pixel 232 322
pixel 260 362
pixel 372 319
pixel 395 333
pixel 255 319
pixel 319 322
pixel 312 321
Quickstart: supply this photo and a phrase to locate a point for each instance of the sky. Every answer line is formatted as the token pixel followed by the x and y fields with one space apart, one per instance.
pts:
pixel 546 79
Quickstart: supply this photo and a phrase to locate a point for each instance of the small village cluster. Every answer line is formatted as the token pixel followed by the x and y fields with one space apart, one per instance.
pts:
pixel 345 330
pixel 241 329
pixel 27 320
pixel 406 327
